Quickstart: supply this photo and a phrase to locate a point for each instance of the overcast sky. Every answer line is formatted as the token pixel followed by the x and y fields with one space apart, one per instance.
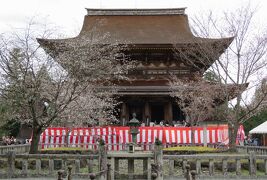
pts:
pixel 68 14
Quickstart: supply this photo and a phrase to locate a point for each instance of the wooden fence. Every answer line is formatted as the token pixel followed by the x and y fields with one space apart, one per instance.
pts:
pixel 19 149
pixel 105 165
pixel 219 165
pixel 45 165
pixel 255 149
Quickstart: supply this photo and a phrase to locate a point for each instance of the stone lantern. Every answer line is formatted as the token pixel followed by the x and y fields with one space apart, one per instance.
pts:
pixel 134 125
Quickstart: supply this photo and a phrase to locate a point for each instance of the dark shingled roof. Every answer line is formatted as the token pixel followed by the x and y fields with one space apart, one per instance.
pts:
pixel 144 27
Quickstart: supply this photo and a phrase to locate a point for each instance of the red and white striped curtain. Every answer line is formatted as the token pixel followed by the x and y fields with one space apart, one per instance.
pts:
pixel 117 137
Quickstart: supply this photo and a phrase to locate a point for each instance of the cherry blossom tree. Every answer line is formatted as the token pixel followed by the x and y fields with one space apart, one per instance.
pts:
pixel 42 88
pixel 196 99
pixel 242 63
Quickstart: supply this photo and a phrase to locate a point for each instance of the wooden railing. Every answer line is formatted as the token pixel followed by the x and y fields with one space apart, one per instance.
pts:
pixel 27 165
pixel 21 148
pixel 216 165
pixel 256 149
pixel 44 165
pixel 224 165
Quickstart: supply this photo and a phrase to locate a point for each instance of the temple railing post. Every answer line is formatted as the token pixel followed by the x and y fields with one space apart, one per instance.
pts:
pixel 159 161
pixel 102 160
pixel 11 155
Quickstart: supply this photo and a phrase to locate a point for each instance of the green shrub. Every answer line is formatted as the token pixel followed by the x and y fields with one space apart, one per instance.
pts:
pixel 190 150
pixel 66 150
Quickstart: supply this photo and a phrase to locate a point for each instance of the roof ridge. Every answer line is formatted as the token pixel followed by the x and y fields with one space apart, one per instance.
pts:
pixel 134 12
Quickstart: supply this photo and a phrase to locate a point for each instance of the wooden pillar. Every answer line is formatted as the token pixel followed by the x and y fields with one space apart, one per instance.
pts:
pixel 147 114
pixel 127 116
pixel 123 114
pixel 168 113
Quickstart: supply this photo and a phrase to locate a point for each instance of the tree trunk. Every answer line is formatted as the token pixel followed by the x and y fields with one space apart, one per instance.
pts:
pixel 232 136
pixel 233 127
pixel 36 132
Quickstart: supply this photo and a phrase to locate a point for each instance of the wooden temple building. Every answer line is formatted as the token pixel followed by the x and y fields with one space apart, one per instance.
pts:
pixel 156 40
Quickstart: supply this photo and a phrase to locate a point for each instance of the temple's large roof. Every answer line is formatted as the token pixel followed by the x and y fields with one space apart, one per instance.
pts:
pixel 145 27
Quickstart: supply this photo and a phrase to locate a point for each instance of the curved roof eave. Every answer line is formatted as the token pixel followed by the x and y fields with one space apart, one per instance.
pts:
pixel 225 42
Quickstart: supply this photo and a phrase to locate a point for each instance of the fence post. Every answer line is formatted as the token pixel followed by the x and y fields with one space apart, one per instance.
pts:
pixel 92 176
pixel 109 172
pixel 60 175
pixel 188 175
pixel 252 164
pixel 224 167
pixel 193 174
pixel 184 163
pixel 238 167
pixel 149 169
pixel 171 167
pixel 198 166
pixel 69 172
pixel 131 168
pixel 51 166
pixel 90 165
pixel 77 166
pixel 24 171
pixel 102 160
pixel 211 167
pixel 113 168
pixel 11 155
pixel 153 171
pixel 38 166
pixel 159 161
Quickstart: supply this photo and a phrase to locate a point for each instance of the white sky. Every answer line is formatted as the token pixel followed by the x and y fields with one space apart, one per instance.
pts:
pixel 68 14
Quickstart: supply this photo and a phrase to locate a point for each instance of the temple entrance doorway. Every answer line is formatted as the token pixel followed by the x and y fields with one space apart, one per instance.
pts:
pixel 136 108
pixel 157 113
